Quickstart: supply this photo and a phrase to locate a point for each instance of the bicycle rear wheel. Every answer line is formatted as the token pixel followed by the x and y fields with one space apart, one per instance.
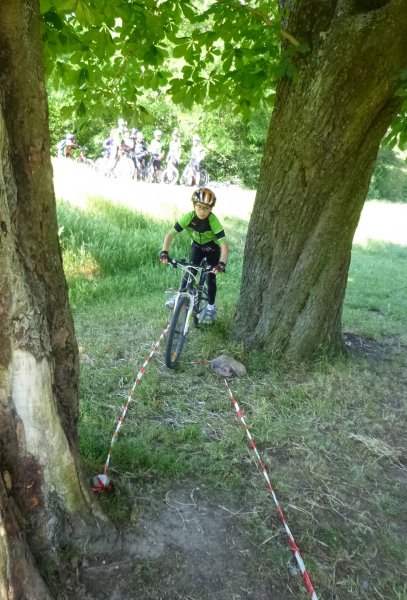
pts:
pixel 170 175
pixel 124 167
pixel 176 336
pixel 187 177
pixel 203 178
pixel 147 174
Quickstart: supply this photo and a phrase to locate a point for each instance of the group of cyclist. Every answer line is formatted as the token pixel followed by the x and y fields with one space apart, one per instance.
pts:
pixel 131 143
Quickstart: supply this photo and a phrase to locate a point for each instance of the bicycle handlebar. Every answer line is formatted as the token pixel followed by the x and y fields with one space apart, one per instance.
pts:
pixel 183 263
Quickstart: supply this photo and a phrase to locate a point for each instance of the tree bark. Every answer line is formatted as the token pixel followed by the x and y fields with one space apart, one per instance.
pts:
pixel 322 144
pixel 43 500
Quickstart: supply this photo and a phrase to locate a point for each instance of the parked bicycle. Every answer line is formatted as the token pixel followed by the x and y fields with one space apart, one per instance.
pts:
pixel 123 166
pixel 148 173
pixel 190 302
pixel 82 159
pixel 188 176
pixel 170 174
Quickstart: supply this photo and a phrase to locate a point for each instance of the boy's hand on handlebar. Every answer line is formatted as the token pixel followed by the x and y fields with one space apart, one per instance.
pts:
pixel 220 268
pixel 164 258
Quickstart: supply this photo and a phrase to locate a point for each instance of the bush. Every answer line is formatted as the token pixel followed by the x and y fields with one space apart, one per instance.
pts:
pixel 389 179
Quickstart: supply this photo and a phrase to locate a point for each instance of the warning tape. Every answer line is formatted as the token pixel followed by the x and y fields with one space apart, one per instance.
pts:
pixel 262 467
pixel 103 480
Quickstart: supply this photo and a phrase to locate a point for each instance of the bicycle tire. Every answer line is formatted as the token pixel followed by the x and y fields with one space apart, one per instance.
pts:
pixel 170 176
pixel 147 174
pixel 102 165
pixel 200 300
pixel 176 336
pixel 187 177
pixel 203 178
pixel 124 168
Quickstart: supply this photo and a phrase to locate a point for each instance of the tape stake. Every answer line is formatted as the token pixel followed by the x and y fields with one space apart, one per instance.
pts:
pixel 130 397
pixel 263 470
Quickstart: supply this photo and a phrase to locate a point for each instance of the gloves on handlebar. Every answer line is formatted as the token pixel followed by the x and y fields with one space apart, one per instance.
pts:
pixel 220 267
pixel 164 254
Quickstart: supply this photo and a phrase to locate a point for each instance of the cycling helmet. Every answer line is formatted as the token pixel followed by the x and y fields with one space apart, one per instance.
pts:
pixel 70 136
pixel 196 138
pixel 121 122
pixel 157 132
pixel 204 196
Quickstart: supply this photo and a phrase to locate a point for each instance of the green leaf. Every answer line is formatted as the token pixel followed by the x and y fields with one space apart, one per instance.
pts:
pixel 66 5
pixel 180 50
pixel 188 11
pixel 81 110
pixel 85 15
pixel 45 6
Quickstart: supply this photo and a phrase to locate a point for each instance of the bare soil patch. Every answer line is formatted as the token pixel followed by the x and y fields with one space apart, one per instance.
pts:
pixel 185 546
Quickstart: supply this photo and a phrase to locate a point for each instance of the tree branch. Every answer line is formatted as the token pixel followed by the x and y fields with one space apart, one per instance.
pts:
pixel 266 20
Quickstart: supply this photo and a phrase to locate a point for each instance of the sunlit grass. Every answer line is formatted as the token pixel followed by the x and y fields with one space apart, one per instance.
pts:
pixel 331 434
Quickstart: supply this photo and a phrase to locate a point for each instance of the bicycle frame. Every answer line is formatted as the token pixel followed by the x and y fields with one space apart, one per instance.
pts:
pixel 193 286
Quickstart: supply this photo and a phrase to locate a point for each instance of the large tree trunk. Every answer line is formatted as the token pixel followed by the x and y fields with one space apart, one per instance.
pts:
pixel 323 140
pixel 43 501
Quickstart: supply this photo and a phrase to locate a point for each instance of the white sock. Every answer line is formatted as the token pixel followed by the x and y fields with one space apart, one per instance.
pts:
pixel 211 307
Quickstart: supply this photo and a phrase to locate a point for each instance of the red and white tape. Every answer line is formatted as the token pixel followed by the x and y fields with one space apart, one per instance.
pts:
pixel 263 470
pixel 103 480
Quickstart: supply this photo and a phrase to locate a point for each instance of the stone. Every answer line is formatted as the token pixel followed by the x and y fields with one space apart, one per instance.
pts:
pixel 225 366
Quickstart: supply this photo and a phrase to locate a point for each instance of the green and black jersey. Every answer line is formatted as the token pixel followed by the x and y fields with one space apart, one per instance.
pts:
pixel 201 231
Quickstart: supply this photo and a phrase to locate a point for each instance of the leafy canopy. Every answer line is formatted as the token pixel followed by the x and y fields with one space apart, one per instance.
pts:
pixel 217 52
pixel 110 50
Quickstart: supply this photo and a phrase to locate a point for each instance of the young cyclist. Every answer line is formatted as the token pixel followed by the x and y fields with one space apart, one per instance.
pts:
pixel 156 151
pixel 198 153
pixel 174 151
pixel 140 151
pixel 208 240
pixel 65 146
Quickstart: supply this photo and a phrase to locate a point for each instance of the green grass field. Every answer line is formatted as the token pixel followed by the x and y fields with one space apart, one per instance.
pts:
pixel 332 434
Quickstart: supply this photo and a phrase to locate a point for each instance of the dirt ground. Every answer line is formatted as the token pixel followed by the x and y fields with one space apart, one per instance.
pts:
pixel 184 547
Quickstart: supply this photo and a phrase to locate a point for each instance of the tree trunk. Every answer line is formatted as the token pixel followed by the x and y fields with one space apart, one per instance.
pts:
pixel 323 139
pixel 43 500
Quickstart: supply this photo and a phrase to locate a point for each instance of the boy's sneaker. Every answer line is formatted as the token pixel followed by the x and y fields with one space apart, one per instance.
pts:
pixel 171 301
pixel 208 315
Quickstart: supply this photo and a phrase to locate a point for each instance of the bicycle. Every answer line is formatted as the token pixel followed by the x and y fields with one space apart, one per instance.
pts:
pixel 150 173
pixel 147 173
pixel 190 301
pixel 170 174
pixel 122 166
pixel 189 174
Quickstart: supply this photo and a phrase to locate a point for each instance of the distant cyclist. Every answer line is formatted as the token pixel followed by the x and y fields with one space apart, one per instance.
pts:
pixel 109 143
pixel 198 153
pixel 65 146
pixel 174 151
pixel 140 151
pixel 156 150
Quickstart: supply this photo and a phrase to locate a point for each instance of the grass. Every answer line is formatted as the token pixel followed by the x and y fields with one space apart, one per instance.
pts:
pixel 332 435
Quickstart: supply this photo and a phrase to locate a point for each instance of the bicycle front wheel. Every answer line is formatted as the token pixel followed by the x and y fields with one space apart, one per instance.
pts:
pixel 176 335
pixel 124 167
pixel 170 176
pixel 187 177
pixel 203 178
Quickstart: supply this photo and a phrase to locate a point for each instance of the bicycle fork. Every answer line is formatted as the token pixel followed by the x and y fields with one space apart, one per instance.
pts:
pixel 191 301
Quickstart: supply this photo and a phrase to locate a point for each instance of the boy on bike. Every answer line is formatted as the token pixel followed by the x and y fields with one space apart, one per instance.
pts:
pixel 208 241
